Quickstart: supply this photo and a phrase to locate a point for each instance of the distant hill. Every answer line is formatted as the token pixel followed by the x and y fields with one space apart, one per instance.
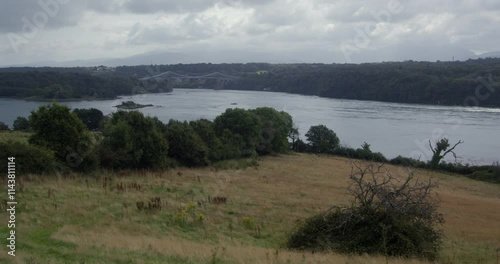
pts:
pixel 494 54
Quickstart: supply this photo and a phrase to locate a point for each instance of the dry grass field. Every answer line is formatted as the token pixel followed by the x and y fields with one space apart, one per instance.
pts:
pixel 95 218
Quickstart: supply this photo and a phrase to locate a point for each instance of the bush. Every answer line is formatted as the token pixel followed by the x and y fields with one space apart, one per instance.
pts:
pixel 491 175
pixel 363 153
pixel 387 216
pixel 29 158
pixel 301 146
pixel 408 162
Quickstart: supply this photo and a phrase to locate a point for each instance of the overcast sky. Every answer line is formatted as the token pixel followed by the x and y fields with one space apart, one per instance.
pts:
pixel 246 30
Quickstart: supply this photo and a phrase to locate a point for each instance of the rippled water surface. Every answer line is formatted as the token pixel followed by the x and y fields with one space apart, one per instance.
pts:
pixel 390 128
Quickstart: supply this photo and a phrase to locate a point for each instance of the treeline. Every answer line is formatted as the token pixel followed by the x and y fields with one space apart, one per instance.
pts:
pixel 470 83
pixel 86 140
pixel 64 85
pixel 129 140
pixel 436 83
pixel 439 83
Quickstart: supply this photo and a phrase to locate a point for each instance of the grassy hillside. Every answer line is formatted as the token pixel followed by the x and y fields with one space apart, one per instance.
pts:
pixel 95 219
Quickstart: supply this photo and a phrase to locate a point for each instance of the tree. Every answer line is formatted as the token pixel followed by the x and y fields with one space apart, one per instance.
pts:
pixel 185 145
pixel 21 124
pixel 132 140
pixel 92 117
pixel 442 145
pixel 3 126
pixel 243 123
pixel 322 139
pixel 275 127
pixel 389 215
pixel 57 129
pixel 294 136
pixel 206 131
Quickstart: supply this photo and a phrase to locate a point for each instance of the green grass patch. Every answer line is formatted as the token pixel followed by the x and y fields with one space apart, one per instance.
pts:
pixel 14 136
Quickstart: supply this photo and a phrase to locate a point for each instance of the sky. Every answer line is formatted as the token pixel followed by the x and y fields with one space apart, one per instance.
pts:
pixel 69 32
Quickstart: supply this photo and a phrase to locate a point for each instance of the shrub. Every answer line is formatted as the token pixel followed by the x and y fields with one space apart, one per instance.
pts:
pixel 363 153
pixel 29 158
pixel 388 216
pixel 408 162
pixel 491 175
pixel 248 222
pixel 301 146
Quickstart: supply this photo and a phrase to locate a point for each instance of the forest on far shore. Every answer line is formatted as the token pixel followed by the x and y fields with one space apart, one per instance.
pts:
pixel 461 83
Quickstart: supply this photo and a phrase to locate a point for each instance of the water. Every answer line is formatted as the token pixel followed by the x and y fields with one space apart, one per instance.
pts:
pixel 391 128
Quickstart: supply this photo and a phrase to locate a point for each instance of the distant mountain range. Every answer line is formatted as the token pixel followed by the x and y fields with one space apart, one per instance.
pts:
pixel 396 53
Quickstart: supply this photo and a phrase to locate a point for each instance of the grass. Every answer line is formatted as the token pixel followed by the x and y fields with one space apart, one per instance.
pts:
pixel 14 136
pixel 81 222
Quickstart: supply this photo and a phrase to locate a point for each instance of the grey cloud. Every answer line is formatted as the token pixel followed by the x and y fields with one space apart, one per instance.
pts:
pixel 168 6
pixel 187 28
pixel 185 6
pixel 14 14
pixel 106 6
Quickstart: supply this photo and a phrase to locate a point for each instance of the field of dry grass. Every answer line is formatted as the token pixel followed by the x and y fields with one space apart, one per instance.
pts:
pixel 94 218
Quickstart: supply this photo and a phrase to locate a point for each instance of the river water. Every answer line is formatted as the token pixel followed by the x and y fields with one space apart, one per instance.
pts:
pixel 391 128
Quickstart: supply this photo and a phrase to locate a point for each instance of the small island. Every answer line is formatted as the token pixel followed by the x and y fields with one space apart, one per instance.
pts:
pixel 130 105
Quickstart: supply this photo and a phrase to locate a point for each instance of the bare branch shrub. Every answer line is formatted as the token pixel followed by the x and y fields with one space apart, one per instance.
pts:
pixel 388 215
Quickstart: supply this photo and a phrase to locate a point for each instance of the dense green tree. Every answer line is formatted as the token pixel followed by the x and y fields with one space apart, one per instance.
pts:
pixel 92 117
pixel 3 126
pixel 186 145
pixel 275 128
pixel 243 123
pixel 56 128
pixel 21 124
pixel 322 139
pixel 233 145
pixel 132 140
pixel 205 129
